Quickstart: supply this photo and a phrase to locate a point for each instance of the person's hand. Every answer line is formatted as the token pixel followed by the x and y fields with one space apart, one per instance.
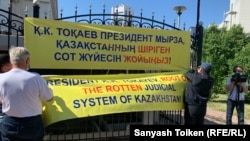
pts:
pixel 191 71
pixel 241 84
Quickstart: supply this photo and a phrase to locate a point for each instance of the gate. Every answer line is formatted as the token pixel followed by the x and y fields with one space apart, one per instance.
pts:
pixel 11 30
pixel 104 127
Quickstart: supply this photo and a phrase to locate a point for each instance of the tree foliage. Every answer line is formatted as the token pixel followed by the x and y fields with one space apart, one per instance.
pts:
pixel 224 49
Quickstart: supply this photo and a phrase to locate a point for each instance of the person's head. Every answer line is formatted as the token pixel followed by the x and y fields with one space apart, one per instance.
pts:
pixel 4 62
pixel 238 69
pixel 205 67
pixel 19 57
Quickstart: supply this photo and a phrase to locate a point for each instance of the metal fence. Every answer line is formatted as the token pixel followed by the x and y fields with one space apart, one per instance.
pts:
pixel 104 127
pixel 112 127
pixel 11 29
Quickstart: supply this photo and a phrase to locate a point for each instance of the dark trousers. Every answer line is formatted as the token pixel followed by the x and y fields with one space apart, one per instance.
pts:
pixel 22 129
pixel 239 105
pixel 1 118
pixel 194 114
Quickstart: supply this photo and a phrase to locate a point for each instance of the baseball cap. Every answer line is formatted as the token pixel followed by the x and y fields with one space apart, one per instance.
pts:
pixel 206 66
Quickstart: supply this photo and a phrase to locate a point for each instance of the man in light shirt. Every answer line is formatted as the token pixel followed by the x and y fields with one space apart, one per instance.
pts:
pixel 5 66
pixel 21 95
pixel 236 88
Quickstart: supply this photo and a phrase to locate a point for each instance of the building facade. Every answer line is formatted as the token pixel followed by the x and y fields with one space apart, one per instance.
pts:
pixel 237 15
pixel 22 8
pixel 48 8
pixel 122 10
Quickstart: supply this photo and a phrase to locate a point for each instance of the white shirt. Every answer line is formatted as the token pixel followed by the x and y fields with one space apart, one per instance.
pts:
pixel 233 94
pixel 21 93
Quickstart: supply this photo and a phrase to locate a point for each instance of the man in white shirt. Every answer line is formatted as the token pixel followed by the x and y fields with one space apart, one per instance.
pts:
pixel 21 95
pixel 5 66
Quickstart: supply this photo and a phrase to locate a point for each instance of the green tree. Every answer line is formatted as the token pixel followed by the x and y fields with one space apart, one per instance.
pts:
pixel 221 48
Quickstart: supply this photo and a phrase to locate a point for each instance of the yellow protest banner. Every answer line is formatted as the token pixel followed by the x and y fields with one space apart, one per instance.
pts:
pixel 70 45
pixel 91 95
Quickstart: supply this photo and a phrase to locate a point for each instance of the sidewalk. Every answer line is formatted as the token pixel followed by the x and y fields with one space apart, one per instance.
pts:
pixel 217 117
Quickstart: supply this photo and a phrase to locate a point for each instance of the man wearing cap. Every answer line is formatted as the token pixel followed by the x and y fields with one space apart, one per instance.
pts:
pixel 197 94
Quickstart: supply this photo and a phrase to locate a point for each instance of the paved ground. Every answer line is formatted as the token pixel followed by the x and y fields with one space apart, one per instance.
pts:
pixel 214 117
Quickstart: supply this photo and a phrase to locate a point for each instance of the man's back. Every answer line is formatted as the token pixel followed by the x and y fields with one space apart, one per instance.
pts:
pixel 22 92
pixel 198 87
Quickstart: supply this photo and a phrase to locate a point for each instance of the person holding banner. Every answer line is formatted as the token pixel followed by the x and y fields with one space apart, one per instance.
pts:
pixel 197 94
pixel 21 95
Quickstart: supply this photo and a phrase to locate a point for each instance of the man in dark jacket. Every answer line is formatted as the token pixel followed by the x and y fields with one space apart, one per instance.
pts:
pixel 197 94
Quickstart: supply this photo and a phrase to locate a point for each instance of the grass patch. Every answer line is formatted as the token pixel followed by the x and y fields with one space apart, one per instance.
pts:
pixel 220 103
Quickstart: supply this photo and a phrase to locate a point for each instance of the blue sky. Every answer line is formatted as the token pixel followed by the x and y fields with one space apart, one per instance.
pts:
pixel 211 11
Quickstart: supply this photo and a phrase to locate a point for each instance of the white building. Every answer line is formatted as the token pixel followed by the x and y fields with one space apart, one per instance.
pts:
pixel 122 10
pixel 238 15
pixel 47 9
pixel 22 8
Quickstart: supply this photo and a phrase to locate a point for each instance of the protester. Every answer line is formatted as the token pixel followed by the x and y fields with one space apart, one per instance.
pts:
pixel 21 95
pixel 236 86
pixel 197 94
pixel 4 67
pixel 4 62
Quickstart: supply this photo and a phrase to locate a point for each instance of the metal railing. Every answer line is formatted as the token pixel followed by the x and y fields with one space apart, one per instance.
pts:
pixel 105 127
pixel 11 29
pixel 113 127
